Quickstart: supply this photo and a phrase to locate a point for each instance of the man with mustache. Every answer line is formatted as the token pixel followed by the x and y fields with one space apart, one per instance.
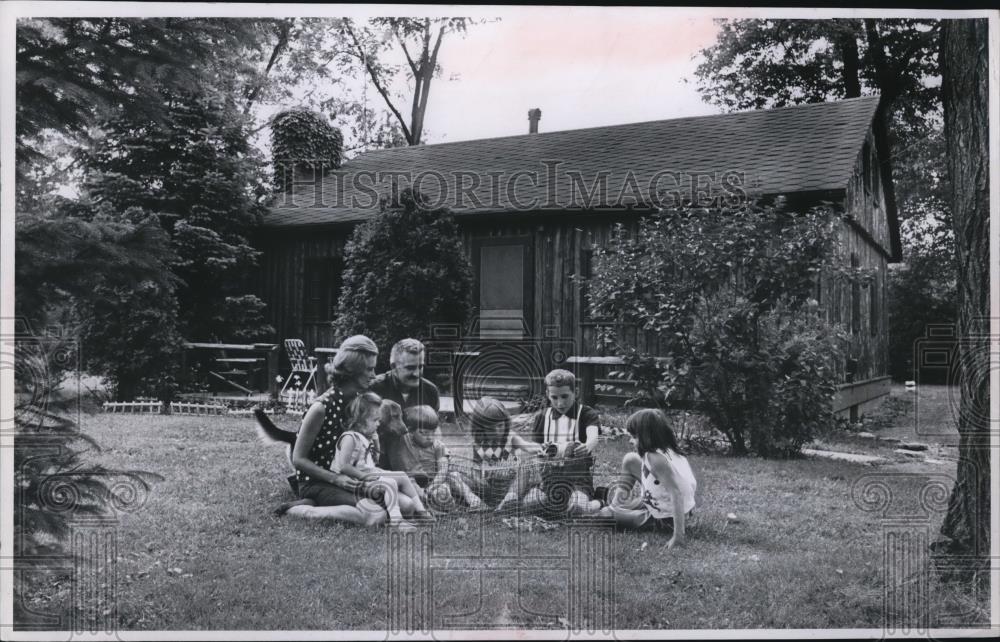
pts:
pixel 404 384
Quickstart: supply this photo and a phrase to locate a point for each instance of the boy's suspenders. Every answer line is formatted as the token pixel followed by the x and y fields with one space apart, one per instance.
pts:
pixel 548 420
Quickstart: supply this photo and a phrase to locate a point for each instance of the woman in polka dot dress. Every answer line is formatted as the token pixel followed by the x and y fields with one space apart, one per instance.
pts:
pixel 326 494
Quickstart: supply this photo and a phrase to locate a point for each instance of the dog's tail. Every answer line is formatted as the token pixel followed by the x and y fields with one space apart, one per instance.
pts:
pixel 268 432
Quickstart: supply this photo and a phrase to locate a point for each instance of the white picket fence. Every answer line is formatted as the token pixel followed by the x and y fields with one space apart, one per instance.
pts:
pixel 156 407
pixel 297 400
pixel 133 407
pixel 192 408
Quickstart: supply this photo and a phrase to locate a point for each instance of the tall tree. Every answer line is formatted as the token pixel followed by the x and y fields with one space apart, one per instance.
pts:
pixel 772 63
pixel 73 72
pixel 758 64
pixel 195 172
pixel 419 40
pixel 964 61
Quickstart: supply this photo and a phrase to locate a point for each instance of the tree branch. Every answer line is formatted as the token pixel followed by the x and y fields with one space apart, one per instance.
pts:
pixel 375 81
pixel 279 48
pixel 406 52
pixel 428 76
pixel 916 45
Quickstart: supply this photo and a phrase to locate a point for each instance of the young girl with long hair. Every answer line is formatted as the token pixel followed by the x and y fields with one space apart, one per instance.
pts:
pixel 666 483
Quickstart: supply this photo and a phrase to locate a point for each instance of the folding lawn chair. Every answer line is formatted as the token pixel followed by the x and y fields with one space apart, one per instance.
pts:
pixel 302 378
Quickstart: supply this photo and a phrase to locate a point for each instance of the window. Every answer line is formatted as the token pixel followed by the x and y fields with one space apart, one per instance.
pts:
pixel 321 288
pixel 855 298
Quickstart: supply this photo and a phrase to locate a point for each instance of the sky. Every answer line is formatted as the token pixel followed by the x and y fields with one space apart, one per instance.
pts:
pixel 583 67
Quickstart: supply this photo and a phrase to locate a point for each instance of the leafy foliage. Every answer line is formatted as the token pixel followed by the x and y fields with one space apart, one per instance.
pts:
pixel 73 72
pixel 405 269
pixel 728 294
pixel 302 141
pixel 196 174
pixel 101 272
pixel 771 63
pixel 758 64
pixel 923 290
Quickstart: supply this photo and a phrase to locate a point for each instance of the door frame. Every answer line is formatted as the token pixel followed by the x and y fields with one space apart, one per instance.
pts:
pixel 528 270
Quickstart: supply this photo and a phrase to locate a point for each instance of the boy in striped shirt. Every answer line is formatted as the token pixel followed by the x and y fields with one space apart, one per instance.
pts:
pixel 568 432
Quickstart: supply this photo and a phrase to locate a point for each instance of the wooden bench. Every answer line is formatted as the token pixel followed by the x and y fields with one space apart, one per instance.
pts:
pixel 241 366
pixel 586 366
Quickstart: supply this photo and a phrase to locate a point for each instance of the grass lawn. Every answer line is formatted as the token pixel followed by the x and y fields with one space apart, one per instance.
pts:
pixel 205 552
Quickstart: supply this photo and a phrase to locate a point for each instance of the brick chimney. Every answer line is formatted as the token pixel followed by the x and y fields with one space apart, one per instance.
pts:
pixel 534 115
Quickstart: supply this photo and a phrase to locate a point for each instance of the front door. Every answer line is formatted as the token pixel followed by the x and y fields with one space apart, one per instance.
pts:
pixel 504 287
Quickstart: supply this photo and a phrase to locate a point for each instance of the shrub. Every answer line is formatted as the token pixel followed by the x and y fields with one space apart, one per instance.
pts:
pixel 728 294
pixel 404 270
pixel 303 141
pixel 132 338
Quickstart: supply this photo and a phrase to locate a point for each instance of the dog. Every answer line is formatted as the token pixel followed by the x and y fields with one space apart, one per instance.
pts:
pixel 390 422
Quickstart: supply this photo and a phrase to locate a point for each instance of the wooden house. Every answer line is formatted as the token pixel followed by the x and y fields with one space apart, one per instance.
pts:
pixel 532 207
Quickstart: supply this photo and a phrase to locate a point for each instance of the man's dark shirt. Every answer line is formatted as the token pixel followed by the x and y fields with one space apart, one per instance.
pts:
pixel 425 394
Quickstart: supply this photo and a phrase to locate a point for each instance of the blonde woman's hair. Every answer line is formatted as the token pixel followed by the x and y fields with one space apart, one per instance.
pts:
pixel 351 358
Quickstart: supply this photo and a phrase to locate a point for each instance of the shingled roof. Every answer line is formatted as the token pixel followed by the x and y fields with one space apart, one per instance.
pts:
pixel 807 148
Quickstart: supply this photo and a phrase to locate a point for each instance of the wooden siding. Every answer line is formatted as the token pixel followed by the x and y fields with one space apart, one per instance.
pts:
pixel 282 280
pixel 865 199
pixel 868 350
pixel 559 243
pixel 865 235
pixel 557 307
pixel 559 247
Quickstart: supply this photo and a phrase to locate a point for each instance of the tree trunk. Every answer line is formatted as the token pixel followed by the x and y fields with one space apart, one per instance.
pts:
pixel 847 44
pixel 964 49
pixel 887 79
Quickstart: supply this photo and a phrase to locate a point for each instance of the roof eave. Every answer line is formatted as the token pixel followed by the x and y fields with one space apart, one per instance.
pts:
pixel 815 196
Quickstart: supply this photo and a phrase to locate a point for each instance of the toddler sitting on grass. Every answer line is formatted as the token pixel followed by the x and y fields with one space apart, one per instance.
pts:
pixel 357 452
pixel 425 459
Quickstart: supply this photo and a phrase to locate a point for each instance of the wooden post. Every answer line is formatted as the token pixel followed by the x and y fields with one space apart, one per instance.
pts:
pixel 185 379
pixel 272 372
pixel 322 356
pixel 587 382
pixel 320 372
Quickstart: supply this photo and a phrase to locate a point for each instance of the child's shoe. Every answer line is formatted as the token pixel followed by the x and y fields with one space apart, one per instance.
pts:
pixel 423 518
pixel 508 506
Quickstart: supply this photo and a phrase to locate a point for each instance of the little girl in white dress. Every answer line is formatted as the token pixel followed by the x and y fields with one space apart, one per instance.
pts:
pixel 357 454
pixel 665 479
